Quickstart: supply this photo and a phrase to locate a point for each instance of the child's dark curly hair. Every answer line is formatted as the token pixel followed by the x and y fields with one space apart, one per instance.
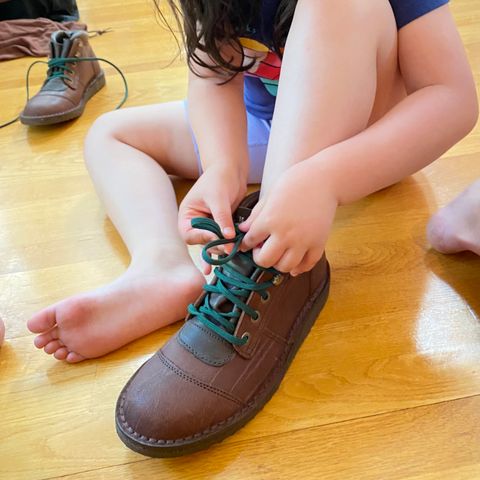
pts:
pixel 208 24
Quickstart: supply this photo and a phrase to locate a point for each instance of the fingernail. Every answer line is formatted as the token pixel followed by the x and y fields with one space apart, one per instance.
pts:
pixel 228 231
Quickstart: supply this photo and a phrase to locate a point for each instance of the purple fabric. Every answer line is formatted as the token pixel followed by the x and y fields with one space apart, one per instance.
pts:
pixel 258 135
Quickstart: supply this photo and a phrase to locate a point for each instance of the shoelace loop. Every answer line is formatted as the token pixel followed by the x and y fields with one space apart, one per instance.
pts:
pixel 232 284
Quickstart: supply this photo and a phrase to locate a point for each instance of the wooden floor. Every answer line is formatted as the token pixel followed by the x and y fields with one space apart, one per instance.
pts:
pixel 387 386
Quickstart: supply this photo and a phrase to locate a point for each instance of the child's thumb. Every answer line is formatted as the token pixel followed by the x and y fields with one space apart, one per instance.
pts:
pixel 222 214
pixel 245 226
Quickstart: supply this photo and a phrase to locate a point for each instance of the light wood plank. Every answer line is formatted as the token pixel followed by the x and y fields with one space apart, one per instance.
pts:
pixel 387 384
pixel 407 445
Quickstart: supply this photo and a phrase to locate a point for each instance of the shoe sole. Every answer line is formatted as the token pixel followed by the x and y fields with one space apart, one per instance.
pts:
pixel 93 87
pixel 171 448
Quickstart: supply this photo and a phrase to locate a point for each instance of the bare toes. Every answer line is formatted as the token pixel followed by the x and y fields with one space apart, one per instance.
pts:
pixel 53 346
pixel 41 340
pixel 73 357
pixel 61 353
pixel 42 321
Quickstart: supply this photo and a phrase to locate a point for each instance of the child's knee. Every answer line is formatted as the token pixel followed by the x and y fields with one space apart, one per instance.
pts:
pixel 106 125
pixel 102 132
pixel 379 15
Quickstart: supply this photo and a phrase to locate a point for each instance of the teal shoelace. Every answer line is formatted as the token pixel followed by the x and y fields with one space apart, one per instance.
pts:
pixel 58 68
pixel 224 323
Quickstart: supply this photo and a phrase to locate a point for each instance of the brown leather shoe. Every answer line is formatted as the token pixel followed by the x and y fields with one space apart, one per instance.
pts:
pixel 227 360
pixel 68 86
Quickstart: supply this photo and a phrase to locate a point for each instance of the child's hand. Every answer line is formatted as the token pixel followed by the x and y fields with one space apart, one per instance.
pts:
pixel 293 220
pixel 215 194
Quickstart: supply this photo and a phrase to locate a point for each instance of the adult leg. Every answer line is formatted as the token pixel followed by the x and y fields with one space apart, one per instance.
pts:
pixel 129 154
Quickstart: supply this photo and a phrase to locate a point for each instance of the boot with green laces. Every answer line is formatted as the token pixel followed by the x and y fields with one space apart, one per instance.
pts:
pixel 229 357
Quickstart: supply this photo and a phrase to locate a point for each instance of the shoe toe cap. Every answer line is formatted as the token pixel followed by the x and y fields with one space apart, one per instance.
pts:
pixel 47 105
pixel 162 403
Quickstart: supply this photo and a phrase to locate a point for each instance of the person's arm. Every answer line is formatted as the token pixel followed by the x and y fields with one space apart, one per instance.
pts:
pixel 218 118
pixel 217 115
pixel 440 110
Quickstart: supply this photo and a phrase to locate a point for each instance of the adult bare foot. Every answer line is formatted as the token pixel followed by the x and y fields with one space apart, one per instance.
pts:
pixel 456 227
pixel 95 323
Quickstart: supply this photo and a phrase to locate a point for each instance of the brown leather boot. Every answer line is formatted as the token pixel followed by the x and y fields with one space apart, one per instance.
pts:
pixel 227 360
pixel 69 85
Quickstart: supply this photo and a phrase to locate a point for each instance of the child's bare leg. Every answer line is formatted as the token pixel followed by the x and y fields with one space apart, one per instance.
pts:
pixel 346 84
pixel 456 227
pixel 129 155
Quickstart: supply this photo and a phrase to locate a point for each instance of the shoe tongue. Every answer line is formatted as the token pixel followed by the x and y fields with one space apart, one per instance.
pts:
pixel 60 45
pixel 209 347
pixel 57 43
pixel 240 263
pixel 61 42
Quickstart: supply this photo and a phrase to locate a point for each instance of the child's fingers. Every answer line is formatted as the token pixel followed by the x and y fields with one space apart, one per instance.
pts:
pixel 245 226
pixel 257 234
pixel 269 253
pixel 311 258
pixel 206 267
pixel 220 250
pixel 190 235
pixel 198 237
pixel 222 214
pixel 290 260
pixel 185 216
pixel 184 226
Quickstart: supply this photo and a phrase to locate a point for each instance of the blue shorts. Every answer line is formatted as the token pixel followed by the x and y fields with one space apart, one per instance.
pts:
pixel 258 135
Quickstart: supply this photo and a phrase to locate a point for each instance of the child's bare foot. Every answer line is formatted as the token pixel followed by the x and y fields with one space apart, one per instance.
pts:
pixel 456 227
pixel 95 323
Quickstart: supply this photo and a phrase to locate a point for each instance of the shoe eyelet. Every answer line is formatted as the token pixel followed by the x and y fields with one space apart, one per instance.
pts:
pixel 277 280
pixel 255 320
pixel 245 335
pixel 266 299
